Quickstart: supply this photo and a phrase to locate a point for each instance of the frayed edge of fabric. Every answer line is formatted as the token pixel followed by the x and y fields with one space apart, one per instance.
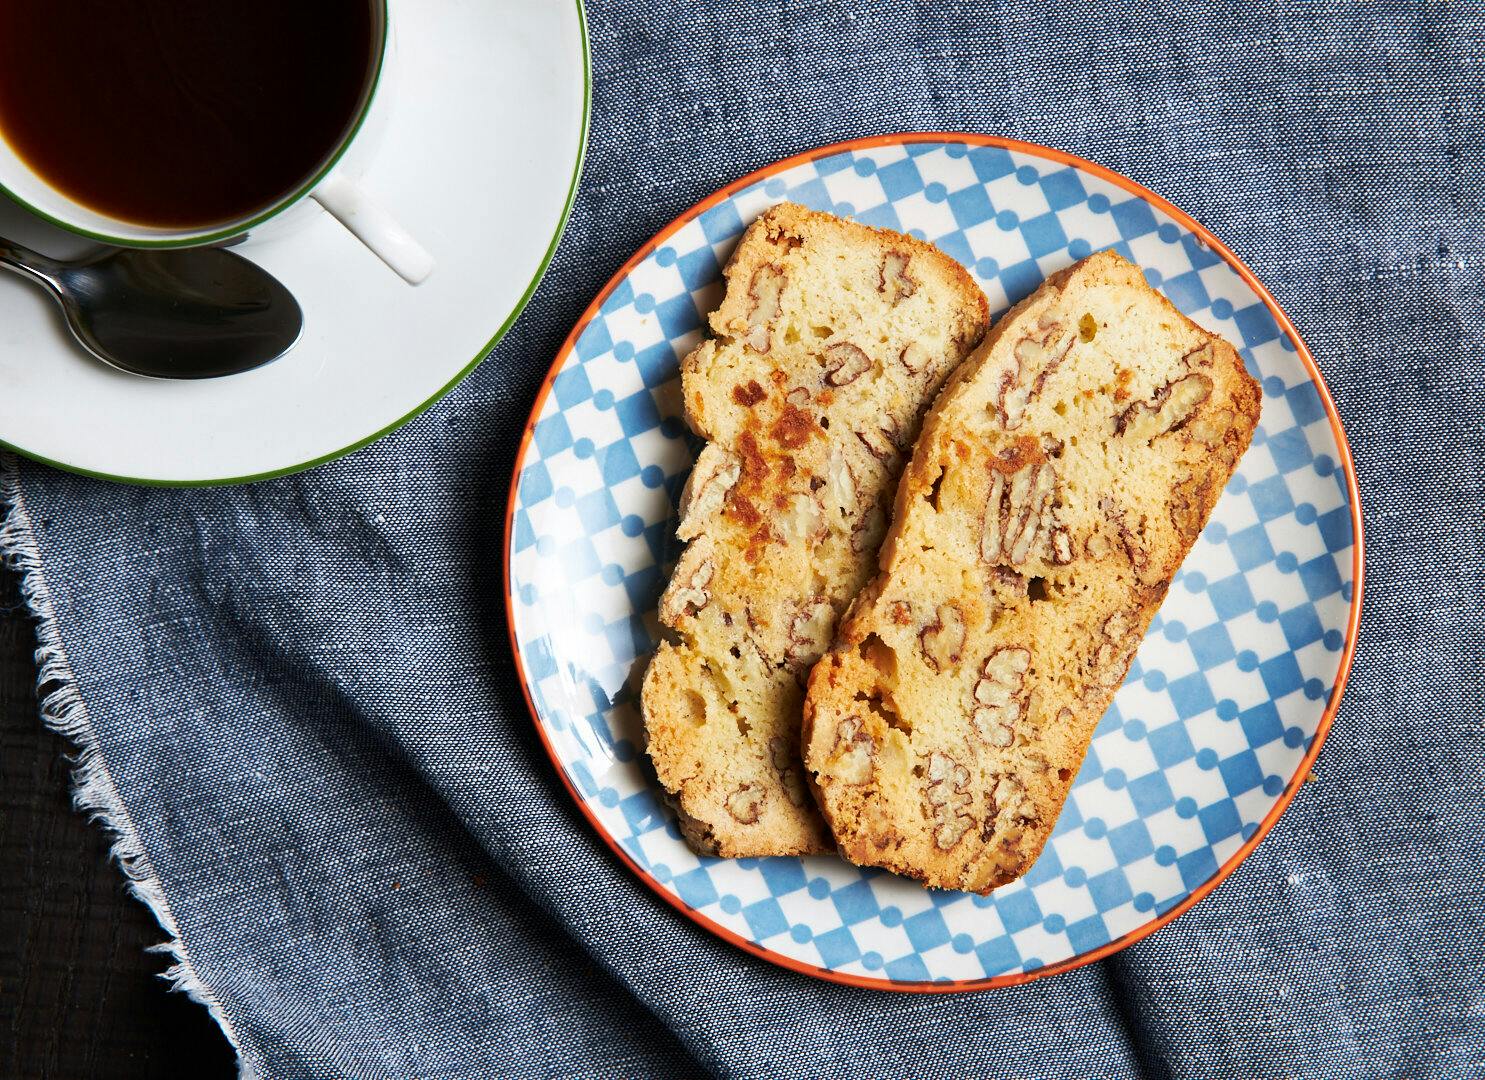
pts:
pixel 93 790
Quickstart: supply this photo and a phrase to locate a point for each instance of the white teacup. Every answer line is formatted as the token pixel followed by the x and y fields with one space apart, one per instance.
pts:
pixel 333 185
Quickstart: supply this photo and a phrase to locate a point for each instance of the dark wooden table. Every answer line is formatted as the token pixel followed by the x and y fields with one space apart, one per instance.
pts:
pixel 79 996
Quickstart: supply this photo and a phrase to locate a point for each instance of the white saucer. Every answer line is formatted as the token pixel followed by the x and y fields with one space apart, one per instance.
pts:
pixel 479 159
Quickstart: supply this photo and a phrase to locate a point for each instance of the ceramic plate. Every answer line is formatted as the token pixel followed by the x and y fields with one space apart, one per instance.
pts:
pixel 1224 708
pixel 488 112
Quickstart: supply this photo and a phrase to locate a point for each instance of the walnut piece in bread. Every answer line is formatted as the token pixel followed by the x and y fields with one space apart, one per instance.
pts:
pixel 1058 483
pixel 829 344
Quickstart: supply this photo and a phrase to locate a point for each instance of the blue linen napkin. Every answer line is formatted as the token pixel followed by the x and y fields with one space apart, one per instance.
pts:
pixel 299 710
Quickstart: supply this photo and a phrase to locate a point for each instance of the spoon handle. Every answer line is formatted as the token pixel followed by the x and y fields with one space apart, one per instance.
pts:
pixel 28 263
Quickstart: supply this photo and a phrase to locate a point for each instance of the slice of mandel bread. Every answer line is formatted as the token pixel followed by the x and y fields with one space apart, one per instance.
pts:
pixel 1059 481
pixel 829 344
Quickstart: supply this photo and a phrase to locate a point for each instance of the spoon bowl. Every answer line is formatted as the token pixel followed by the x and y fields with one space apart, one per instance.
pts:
pixel 189 313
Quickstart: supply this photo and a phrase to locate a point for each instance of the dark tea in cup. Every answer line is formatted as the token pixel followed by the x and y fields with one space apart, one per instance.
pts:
pixel 183 114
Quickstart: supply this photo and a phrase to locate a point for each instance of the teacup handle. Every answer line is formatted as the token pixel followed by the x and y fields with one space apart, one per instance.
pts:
pixel 373 226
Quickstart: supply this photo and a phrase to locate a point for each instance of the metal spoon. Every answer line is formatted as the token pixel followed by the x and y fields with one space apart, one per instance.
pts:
pixel 190 313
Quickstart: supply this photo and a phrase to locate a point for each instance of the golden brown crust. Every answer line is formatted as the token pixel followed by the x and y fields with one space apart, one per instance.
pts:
pixel 1058 483
pixel 808 409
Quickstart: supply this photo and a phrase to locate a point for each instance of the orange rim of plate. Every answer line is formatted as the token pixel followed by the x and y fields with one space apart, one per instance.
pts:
pixel 1358 560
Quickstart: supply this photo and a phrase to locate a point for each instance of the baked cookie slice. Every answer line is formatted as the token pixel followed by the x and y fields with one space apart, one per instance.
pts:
pixel 829 344
pixel 1059 481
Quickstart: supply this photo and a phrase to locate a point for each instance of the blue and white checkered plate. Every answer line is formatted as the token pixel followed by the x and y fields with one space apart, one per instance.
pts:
pixel 1223 710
